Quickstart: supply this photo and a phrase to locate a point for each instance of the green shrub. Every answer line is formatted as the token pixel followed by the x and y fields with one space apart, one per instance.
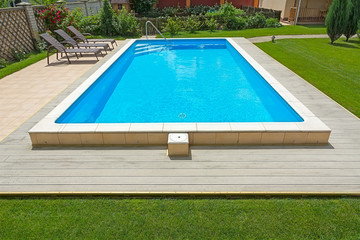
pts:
pixel 256 21
pixel 351 26
pixel 128 24
pixel 192 24
pixel 200 9
pixel 108 19
pixel 72 19
pixel 173 26
pixel 212 24
pixel 43 2
pixel 5 4
pixel 40 46
pixel 229 16
pixel 3 63
pixel 273 23
pixel 91 24
pixel 144 6
pixel 169 11
pixel 19 54
pixel 336 19
pixel 77 18
pixel 153 13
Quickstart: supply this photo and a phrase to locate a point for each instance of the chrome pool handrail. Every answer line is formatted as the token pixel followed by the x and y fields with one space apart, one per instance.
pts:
pixel 146 29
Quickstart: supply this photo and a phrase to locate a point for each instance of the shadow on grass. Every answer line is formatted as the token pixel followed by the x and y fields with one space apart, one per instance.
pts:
pixel 356 41
pixel 314 26
pixel 344 45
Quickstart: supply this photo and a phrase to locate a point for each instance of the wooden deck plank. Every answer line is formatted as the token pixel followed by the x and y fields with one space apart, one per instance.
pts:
pixel 179 188
pixel 244 172
pixel 184 165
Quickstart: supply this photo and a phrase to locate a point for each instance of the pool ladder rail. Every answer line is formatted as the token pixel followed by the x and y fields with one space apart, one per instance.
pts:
pixel 146 29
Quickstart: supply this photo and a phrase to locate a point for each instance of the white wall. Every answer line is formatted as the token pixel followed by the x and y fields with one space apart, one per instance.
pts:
pixel 274 4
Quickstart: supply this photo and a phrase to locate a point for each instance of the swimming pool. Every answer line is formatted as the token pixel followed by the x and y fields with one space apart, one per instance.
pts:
pixel 180 81
pixel 211 89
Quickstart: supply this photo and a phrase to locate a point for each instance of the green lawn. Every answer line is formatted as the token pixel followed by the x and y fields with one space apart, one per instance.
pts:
pixel 333 69
pixel 248 33
pixel 16 66
pixel 180 219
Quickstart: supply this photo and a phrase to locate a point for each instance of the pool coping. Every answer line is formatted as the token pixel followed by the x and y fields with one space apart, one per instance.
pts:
pixel 311 131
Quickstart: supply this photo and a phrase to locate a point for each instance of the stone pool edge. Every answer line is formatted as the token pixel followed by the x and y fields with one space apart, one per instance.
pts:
pixel 311 131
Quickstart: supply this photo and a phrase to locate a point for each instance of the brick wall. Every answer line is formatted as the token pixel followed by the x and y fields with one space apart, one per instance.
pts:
pixel 171 3
pixel 240 3
pixel 204 2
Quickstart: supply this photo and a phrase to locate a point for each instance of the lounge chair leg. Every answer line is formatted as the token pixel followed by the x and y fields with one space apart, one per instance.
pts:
pixel 76 56
pixel 47 57
pixel 115 43
pixel 96 57
pixel 57 55
pixel 67 57
pixel 105 50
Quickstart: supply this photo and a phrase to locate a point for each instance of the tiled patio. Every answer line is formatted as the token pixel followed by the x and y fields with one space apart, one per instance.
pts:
pixel 331 168
pixel 24 92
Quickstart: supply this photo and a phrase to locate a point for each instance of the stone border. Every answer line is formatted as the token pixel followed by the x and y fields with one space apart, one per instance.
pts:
pixel 311 131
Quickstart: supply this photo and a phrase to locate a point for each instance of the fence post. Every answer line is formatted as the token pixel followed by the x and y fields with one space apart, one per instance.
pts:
pixel 85 7
pixel 29 11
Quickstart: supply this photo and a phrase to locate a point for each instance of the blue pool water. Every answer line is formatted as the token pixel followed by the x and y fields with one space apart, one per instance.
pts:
pixel 180 81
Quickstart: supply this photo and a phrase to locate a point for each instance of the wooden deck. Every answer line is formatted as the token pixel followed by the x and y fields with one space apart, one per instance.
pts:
pixel 331 168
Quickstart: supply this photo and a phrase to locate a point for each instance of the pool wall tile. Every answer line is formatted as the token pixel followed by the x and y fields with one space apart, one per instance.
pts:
pixel 204 138
pixel 318 137
pixel 47 139
pixel 136 138
pixel 157 138
pixel 295 137
pixel 69 138
pixel 252 138
pixel 91 138
pixel 272 138
pixel 114 138
pixel 227 138
pixel 33 137
pixel 191 138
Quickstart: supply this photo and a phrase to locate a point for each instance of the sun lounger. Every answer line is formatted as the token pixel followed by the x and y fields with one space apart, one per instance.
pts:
pixel 72 42
pixel 81 37
pixel 62 49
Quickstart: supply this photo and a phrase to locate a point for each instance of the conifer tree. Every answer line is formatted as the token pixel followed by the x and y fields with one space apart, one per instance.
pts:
pixel 351 25
pixel 336 19
pixel 107 19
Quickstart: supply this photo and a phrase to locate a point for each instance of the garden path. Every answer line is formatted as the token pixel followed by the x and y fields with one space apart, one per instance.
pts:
pixel 268 38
